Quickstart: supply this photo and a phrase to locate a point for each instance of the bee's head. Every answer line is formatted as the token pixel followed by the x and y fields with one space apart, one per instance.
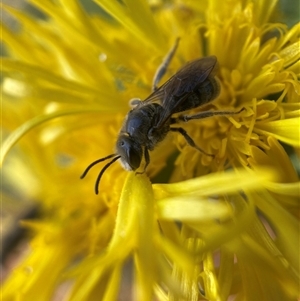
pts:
pixel 130 152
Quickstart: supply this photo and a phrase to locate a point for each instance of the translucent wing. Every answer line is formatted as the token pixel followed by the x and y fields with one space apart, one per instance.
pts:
pixel 178 88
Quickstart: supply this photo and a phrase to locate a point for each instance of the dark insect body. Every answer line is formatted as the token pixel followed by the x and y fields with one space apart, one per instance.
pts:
pixel 151 120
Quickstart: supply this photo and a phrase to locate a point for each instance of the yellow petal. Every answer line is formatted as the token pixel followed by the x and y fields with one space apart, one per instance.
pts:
pixel 213 184
pixel 284 130
pixel 191 208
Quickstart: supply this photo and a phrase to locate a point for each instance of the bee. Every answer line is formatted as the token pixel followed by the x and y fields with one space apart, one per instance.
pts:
pixel 149 121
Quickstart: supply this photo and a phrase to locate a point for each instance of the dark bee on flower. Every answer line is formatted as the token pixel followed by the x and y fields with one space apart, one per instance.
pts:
pixel 152 119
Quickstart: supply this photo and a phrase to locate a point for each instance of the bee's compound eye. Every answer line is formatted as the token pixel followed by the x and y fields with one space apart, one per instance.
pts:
pixel 130 151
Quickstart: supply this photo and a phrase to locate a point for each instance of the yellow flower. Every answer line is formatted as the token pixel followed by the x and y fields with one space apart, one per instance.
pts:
pixel 201 227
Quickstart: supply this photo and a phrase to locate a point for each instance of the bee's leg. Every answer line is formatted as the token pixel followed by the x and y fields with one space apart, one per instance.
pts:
pixel 206 114
pixel 147 161
pixel 161 70
pixel 189 140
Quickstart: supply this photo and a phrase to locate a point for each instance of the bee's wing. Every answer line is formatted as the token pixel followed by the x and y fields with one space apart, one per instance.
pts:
pixel 178 88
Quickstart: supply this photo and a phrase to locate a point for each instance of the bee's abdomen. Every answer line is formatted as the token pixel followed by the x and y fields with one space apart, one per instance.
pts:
pixel 203 93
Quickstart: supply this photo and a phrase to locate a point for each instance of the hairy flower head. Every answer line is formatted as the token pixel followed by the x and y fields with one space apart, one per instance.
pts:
pixel 204 227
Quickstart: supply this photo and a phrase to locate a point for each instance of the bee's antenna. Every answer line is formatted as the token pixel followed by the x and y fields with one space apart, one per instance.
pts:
pixel 94 163
pixel 103 170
